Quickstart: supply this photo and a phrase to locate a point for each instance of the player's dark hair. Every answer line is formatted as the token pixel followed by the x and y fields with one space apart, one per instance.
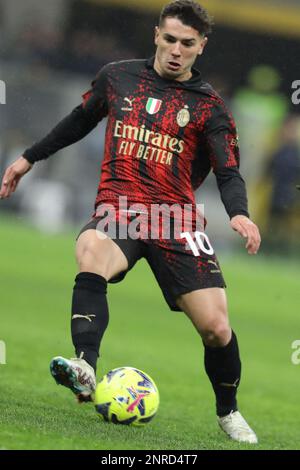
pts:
pixel 190 13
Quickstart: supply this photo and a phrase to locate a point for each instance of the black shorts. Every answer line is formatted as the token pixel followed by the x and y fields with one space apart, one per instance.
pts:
pixel 177 268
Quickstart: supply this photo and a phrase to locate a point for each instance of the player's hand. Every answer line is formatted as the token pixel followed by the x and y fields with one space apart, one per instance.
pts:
pixel 12 176
pixel 247 229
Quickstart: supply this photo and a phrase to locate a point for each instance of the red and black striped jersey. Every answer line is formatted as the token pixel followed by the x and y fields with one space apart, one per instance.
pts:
pixel 162 137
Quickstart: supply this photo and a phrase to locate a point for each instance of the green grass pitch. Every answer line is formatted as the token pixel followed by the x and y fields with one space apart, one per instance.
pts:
pixel 36 280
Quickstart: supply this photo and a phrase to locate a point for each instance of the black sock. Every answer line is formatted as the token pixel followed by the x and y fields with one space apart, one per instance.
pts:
pixel 223 367
pixel 89 315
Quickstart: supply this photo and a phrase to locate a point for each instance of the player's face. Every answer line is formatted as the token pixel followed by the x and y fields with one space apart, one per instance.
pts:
pixel 177 48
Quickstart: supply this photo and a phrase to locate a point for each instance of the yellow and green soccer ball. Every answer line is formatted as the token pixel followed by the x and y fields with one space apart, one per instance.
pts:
pixel 126 396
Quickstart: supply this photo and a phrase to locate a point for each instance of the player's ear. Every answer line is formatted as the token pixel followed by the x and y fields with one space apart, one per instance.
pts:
pixel 204 41
pixel 156 35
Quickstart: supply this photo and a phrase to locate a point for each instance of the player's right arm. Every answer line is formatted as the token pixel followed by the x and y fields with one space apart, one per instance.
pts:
pixel 12 176
pixel 80 122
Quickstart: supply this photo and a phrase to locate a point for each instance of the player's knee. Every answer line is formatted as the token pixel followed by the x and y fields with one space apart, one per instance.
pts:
pixel 92 257
pixel 217 334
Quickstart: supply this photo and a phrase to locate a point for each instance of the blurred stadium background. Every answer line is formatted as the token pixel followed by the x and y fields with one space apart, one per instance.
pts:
pixel 49 53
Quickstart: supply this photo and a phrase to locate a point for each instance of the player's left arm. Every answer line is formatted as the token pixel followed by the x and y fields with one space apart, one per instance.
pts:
pixel 221 142
pixel 248 230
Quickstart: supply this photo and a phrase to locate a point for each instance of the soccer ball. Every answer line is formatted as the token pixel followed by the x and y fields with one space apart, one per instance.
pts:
pixel 126 396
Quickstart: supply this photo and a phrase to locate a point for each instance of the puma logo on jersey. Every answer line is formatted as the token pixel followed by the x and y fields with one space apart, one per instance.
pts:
pixel 129 106
pixel 86 317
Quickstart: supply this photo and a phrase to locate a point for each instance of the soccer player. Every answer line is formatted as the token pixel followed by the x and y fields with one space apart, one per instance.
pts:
pixel 166 130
